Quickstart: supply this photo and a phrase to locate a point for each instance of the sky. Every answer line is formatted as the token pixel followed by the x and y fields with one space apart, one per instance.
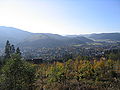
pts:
pixel 63 17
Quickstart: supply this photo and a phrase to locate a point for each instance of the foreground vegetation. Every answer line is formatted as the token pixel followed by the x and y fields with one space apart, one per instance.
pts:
pixel 74 74
pixel 77 74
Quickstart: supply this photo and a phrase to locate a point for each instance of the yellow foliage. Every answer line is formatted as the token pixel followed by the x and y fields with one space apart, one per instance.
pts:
pixel 99 64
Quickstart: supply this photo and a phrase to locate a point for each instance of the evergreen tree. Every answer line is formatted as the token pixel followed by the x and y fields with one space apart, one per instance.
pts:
pixel 12 49
pixel 18 51
pixel 7 49
pixel 17 74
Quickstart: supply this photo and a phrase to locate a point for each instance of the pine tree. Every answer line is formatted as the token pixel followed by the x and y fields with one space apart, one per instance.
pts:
pixel 7 49
pixel 18 51
pixel 17 74
pixel 12 49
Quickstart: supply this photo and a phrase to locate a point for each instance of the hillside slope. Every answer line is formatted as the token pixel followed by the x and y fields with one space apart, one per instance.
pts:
pixel 52 40
pixel 104 36
pixel 37 40
pixel 12 34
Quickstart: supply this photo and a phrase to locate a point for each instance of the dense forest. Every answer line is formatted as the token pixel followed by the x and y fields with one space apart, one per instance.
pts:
pixel 73 74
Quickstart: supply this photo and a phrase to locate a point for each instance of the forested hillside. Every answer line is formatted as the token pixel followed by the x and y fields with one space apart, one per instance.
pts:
pixel 26 39
pixel 106 36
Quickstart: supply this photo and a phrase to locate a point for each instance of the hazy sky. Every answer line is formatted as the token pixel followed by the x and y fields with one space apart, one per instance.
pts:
pixel 61 16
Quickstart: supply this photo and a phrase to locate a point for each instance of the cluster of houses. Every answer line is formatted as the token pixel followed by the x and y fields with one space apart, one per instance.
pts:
pixel 63 53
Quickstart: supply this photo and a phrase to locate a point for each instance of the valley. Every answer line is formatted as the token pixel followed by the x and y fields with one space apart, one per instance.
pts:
pixel 54 47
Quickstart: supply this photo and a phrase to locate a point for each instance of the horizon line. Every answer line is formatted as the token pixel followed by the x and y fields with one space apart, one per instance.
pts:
pixel 58 33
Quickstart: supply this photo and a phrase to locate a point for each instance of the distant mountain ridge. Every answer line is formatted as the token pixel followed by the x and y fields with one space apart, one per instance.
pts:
pixel 27 39
pixel 52 40
pixel 38 40
pixel 104 36
pixel 14 35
